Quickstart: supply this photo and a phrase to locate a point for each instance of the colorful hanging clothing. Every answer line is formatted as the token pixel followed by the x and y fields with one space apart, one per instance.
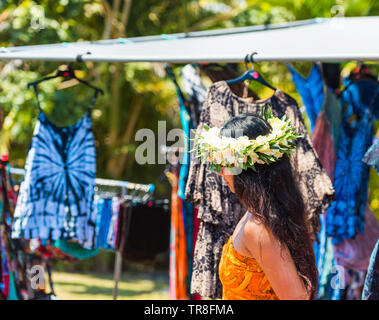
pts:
pixel 14 273
pixel 4 269
pixel 112 233
pixel 196 91
pixel 328 281
pixel 75 250
pixel 219 210
pixel 355 253
pixel 242 278
pixel 56 197
pixel 371 157
pixel 345 217
pixel 189 115
pixel 178 249
pixel 371 286
pixel 103 222
pixel 354 281
pixel 325 135
pixel 310 90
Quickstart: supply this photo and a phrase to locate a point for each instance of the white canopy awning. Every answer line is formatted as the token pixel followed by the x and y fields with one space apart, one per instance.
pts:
pixel 320 39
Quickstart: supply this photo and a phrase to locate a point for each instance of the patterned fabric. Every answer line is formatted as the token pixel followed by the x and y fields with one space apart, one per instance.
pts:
pixel 345 217
pixel 219 210
pixel 4 269
pixel 112 234
pixel 310 90
pixel 328 283
pixel 371 287
pixel 103 222
pixel 325 135
pixel 372 155
pixel 196 91
pixel 355 253
pixel 242 278
pixel 56 197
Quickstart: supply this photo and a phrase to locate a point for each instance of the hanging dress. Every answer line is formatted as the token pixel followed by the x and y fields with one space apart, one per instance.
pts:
pixel 345 217
pixel 310 90
pixel 56 197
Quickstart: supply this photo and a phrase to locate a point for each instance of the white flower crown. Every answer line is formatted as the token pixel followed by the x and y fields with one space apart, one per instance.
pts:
pixel 243 152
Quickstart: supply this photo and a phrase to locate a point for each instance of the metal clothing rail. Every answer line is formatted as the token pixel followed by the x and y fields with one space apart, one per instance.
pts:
pixel 106 182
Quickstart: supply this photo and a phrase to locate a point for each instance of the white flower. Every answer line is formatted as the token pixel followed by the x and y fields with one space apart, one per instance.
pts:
pixel 276 153
pixel 230 156
pixel 265 149
pixel 261 140
pixel 241 143
pixel 253 156
pixel 218 157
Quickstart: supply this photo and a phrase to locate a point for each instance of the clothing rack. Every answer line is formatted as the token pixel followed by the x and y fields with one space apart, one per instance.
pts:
pixel 125 186
pixel 148 188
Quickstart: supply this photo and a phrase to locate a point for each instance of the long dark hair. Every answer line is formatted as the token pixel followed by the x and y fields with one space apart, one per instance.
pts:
pixel 272 195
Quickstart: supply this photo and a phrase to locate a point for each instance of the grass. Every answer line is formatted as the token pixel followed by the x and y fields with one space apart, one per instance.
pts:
pixel 133 286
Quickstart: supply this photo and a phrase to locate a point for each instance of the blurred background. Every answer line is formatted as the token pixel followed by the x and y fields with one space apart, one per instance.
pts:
pixel 137 95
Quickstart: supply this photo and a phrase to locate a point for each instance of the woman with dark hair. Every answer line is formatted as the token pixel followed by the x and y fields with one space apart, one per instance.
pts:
pixel 270 253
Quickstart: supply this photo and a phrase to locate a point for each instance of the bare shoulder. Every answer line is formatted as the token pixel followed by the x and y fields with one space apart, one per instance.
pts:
pixel 258 237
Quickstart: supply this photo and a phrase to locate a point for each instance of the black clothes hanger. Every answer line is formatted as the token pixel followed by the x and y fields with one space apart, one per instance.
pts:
pixel 68 73
pixel 251 74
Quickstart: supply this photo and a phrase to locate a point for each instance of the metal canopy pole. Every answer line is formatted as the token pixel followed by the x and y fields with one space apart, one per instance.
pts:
pixel 118 259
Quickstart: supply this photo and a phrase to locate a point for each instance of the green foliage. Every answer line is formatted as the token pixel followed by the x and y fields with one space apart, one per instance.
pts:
pixel 136 95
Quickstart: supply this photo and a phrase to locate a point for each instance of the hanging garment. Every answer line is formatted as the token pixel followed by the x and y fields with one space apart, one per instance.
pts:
pixel 196 224
pixel 185 120
pixel 104 217
pixel 56 197
pixel 242 278
pixel 12 295
pixel 148 231
pixel 196 91
pixel 371 286
pixel 345 217
pixel 362 96
pixel 189 115
pixel 328 282
pixel 354 284
pixel 12 250
pixel 355 253
pixel 187 212
pixel 219 210
pixel 4 274
pixel 112 232
pixel 75 250
pixel 371 157
pixel 178 270
pixel 325 135
pixel 310 90
pixel 192 83
pixel 331 73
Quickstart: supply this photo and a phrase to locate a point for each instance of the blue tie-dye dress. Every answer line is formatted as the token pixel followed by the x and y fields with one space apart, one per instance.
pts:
pixel 56 198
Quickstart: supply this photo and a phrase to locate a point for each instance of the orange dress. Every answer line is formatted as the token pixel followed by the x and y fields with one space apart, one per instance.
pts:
pixel 242 278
